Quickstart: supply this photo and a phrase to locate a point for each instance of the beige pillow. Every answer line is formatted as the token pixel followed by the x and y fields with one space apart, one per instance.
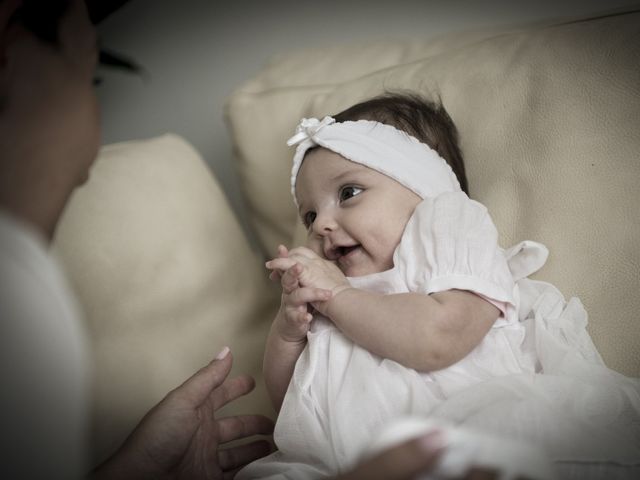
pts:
pixel 548 119
pixel 165 277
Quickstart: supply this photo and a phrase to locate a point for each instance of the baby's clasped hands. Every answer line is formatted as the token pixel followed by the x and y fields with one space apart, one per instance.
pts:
pixel 302 269
pixel 316 271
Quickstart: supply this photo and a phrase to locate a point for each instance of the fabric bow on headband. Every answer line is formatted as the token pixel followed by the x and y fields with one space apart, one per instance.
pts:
pixel 307 128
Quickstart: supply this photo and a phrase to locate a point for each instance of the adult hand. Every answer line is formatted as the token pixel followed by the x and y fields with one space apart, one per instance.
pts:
pixel 409 460
pixel 403 462
pixel 180 437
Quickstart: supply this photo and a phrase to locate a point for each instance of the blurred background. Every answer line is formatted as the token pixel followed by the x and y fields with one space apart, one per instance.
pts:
pixel 196 52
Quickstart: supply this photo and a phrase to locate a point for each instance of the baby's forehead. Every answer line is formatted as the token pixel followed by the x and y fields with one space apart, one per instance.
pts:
pixel 326 163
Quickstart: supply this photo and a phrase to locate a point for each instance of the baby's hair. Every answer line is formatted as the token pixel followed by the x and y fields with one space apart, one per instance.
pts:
pixel 424 119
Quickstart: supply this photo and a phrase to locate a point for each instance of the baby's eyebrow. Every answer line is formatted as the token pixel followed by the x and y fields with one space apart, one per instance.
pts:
pixel 356 169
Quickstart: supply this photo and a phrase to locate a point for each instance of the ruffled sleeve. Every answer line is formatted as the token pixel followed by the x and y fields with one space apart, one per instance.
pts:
pixel 450 242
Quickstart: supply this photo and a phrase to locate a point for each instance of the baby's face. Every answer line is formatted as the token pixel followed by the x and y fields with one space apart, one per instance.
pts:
pixel 354 215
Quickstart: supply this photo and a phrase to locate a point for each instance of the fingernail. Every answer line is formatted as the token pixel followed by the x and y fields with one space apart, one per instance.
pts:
pixel 223 353
pixel 432 441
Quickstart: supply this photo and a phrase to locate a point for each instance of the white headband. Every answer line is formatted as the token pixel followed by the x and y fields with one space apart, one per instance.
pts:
pixel 378 146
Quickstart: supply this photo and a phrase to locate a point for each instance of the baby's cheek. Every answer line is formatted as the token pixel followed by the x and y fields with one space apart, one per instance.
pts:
pixel 316 247
pixel 388 264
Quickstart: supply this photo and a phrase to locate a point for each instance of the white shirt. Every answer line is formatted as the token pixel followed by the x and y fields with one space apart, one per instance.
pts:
pixel 43 362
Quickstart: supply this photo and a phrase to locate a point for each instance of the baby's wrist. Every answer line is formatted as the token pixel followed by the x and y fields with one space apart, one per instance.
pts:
pixel 292 339
pixel 284 332
pixel 335 293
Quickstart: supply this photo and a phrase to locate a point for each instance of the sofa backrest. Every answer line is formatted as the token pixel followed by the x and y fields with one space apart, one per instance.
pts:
pixel 549 121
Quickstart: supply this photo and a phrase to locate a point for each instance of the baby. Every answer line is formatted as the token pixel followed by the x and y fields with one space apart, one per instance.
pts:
pixel 403 303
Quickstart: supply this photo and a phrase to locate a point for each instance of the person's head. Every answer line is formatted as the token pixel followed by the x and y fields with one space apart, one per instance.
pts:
pixel 49 120
pixel 357 182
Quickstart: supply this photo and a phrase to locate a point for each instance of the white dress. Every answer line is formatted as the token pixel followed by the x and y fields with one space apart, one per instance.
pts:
pixel 536 378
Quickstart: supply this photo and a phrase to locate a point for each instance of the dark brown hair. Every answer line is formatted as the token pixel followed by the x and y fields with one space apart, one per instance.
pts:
pixel 424 119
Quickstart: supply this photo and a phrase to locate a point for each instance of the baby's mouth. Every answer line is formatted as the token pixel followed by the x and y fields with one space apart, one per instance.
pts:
pixel 341 252
pixel 345 252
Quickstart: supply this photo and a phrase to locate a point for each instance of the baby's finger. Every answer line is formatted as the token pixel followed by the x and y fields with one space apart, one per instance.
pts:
pixel 304 317
pixel 308 295
pixel 289 279
pixel 275 276
pixel 303 252
pixel 280 264
pixel 299 316
pixel 282 251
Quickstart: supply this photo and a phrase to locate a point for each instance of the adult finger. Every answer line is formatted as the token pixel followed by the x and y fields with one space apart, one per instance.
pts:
pixel 200 385
pixel 231 389
pixel 236 457
pixel 241 426
pixel 402 462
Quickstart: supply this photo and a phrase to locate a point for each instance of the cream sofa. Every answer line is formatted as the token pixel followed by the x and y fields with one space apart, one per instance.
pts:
pixel 549 120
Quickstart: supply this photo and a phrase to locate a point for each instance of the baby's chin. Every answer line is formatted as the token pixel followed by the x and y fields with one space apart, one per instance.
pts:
pixel 361 271
pixel 359 263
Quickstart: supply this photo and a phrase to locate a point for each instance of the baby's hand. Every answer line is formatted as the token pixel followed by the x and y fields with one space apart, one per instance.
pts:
pixel 315 272
pixel 294 319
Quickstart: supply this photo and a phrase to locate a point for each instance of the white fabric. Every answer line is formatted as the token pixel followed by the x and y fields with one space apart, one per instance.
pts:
pixel 512 460
pixel 43 362
pixel 535 378
pixel 378 146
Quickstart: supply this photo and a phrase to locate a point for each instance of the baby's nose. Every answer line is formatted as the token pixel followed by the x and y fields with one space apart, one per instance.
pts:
pixel 325 224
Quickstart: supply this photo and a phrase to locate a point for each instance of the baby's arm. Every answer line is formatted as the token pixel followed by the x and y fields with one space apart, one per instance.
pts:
pixel 288 334
pixel 424 332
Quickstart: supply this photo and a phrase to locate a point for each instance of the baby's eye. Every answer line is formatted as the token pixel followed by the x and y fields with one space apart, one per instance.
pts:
pixel 308 219
pixel 348 192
